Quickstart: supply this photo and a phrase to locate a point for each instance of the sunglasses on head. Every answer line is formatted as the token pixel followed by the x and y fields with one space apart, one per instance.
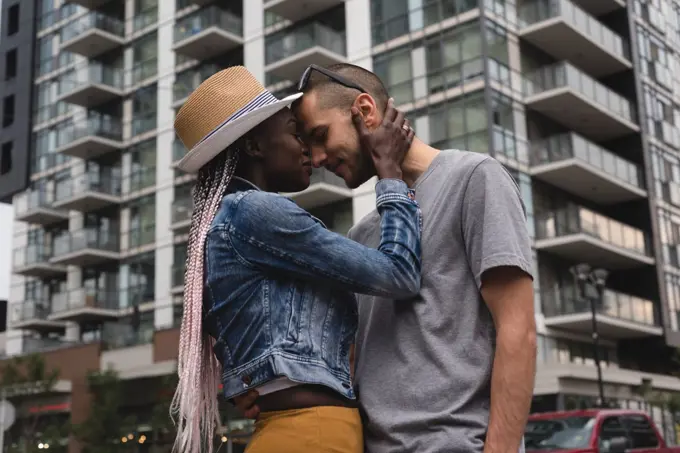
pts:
pixel 304 80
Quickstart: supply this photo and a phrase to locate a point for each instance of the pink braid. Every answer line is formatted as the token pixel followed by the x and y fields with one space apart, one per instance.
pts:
pixel 194 406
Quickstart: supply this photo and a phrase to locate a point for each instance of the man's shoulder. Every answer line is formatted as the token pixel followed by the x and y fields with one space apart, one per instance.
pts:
pixel 462 161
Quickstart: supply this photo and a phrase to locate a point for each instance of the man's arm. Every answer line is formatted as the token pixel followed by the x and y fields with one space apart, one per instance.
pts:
pixel 508 292
pixel 498 248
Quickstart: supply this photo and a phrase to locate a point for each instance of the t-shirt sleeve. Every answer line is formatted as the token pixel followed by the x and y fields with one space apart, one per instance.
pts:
pixel 495 232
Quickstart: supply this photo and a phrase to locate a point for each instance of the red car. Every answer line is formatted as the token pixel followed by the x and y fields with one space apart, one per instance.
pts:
pixel 594 431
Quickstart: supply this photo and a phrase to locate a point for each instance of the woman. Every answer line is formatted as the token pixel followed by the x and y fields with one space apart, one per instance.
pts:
pixel 278 312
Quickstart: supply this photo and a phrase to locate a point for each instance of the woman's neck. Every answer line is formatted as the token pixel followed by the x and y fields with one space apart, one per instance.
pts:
pixel 254 175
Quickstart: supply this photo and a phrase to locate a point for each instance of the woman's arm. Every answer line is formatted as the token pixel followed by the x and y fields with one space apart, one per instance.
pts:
pixel 273 233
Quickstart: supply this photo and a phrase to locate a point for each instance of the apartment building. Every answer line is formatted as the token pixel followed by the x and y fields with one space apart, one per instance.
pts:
pixel 577 98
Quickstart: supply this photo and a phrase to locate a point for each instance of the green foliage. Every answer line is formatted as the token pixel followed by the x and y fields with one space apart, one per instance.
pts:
pixel 105 426
pixel 23 377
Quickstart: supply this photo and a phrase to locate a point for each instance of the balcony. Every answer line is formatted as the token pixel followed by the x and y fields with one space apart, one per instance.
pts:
pixel 91 85
pixel 178 278
pixel 181 215
pixel 577 166
pixel 187 81
pixel 566 32
pixel 578 234
pixel 86 247
pixel 207 33
pixel 35 206
pixel 126 334
pixel 88 192
pixel 33 260
pixel 621 315
pixel 90 137
pixel 85 304
pixel 295 10
pixel 325 187
pixel 92 34
pixel 34 315
pixel 289 52
pixel 595 111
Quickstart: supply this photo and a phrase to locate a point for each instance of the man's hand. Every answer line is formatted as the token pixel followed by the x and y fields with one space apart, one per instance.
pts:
pixel 388 143
pixel 246 404
pixel 509 294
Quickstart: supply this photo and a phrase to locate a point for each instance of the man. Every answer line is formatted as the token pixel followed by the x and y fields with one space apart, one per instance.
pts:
pixel 452 370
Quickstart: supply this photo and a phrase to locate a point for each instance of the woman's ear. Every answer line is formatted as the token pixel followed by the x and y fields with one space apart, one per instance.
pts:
pixel 252 148
pixel 369 110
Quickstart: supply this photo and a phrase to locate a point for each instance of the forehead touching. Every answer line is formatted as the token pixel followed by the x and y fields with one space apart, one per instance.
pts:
pixel 310 113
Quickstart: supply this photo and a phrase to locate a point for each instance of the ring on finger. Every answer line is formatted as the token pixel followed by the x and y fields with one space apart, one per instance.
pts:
pixel 406 127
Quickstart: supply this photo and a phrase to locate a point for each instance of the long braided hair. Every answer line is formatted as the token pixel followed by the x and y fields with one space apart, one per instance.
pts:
pixel 194 407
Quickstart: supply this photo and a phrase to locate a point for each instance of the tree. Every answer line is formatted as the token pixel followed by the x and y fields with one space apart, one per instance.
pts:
pixel 23 378
pixel 162 427
pixel 105 427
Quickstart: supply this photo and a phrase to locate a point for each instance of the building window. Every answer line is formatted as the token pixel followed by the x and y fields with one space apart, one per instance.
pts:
pixel 13 20
pixel 663 117
pixel 11 64
pixel 139 275
pixel 145 58
pixel 146 14
pixel 143 165
pixel 144 109
pixel 393 18
pixel 673 300
pixel 395 70
pixel 558 350
pixel 455 58
pixel 142 221
pixel 6 158
pixel 459 124
pixel 8 111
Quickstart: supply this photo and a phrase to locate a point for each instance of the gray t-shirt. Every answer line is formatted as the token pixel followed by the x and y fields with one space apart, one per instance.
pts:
pixel 424 365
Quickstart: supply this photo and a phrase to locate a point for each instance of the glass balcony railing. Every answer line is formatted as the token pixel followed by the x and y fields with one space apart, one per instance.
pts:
pixel 88 182
pixel 142 236
pixel 85 298
pixel 31 310
pixel 88 238
pixel 125 334
pixel 32 254
pixel 90 74
pixel 181 210
pixel 93 20
pixel 564 75
pixel 572 146
pixel 540 10
pixel 211 16
pixel 574 219
pixel 145 18
pixel 188 81
pixel 96 124
pixel 34 344
pixel 142 178
pixel 564 301
pixel 144 70
pixel 51 111
pixel 143 122
pixel 298 39
pixel 33 199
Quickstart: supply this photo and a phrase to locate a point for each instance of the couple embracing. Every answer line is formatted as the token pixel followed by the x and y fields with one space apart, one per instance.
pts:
pixel 433 290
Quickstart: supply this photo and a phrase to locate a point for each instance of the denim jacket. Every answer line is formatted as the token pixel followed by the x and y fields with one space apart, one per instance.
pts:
pixel 279 287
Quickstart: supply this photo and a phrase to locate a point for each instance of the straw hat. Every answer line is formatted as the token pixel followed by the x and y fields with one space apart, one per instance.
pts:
pixel 221 110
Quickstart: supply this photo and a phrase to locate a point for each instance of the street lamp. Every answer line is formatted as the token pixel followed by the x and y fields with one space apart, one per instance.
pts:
pixel 586 278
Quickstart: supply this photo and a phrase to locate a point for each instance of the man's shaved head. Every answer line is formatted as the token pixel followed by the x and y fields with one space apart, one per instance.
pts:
pixel 333 94
pixel 325 120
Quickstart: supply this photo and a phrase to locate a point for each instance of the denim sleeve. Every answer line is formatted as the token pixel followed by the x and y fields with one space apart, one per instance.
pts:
pixel 273 233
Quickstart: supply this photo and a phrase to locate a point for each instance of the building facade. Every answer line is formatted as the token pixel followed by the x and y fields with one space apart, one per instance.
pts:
pixel 578 98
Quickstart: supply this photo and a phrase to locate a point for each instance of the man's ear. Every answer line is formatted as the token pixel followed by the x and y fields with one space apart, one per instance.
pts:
pixel 369 110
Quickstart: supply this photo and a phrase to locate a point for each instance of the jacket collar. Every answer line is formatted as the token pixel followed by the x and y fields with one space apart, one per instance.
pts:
pixel 238 184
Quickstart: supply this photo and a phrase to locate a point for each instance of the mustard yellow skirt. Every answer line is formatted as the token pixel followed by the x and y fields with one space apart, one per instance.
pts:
pixel 323 429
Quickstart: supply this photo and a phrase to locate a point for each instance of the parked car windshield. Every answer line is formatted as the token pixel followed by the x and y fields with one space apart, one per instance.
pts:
pixel 559 433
